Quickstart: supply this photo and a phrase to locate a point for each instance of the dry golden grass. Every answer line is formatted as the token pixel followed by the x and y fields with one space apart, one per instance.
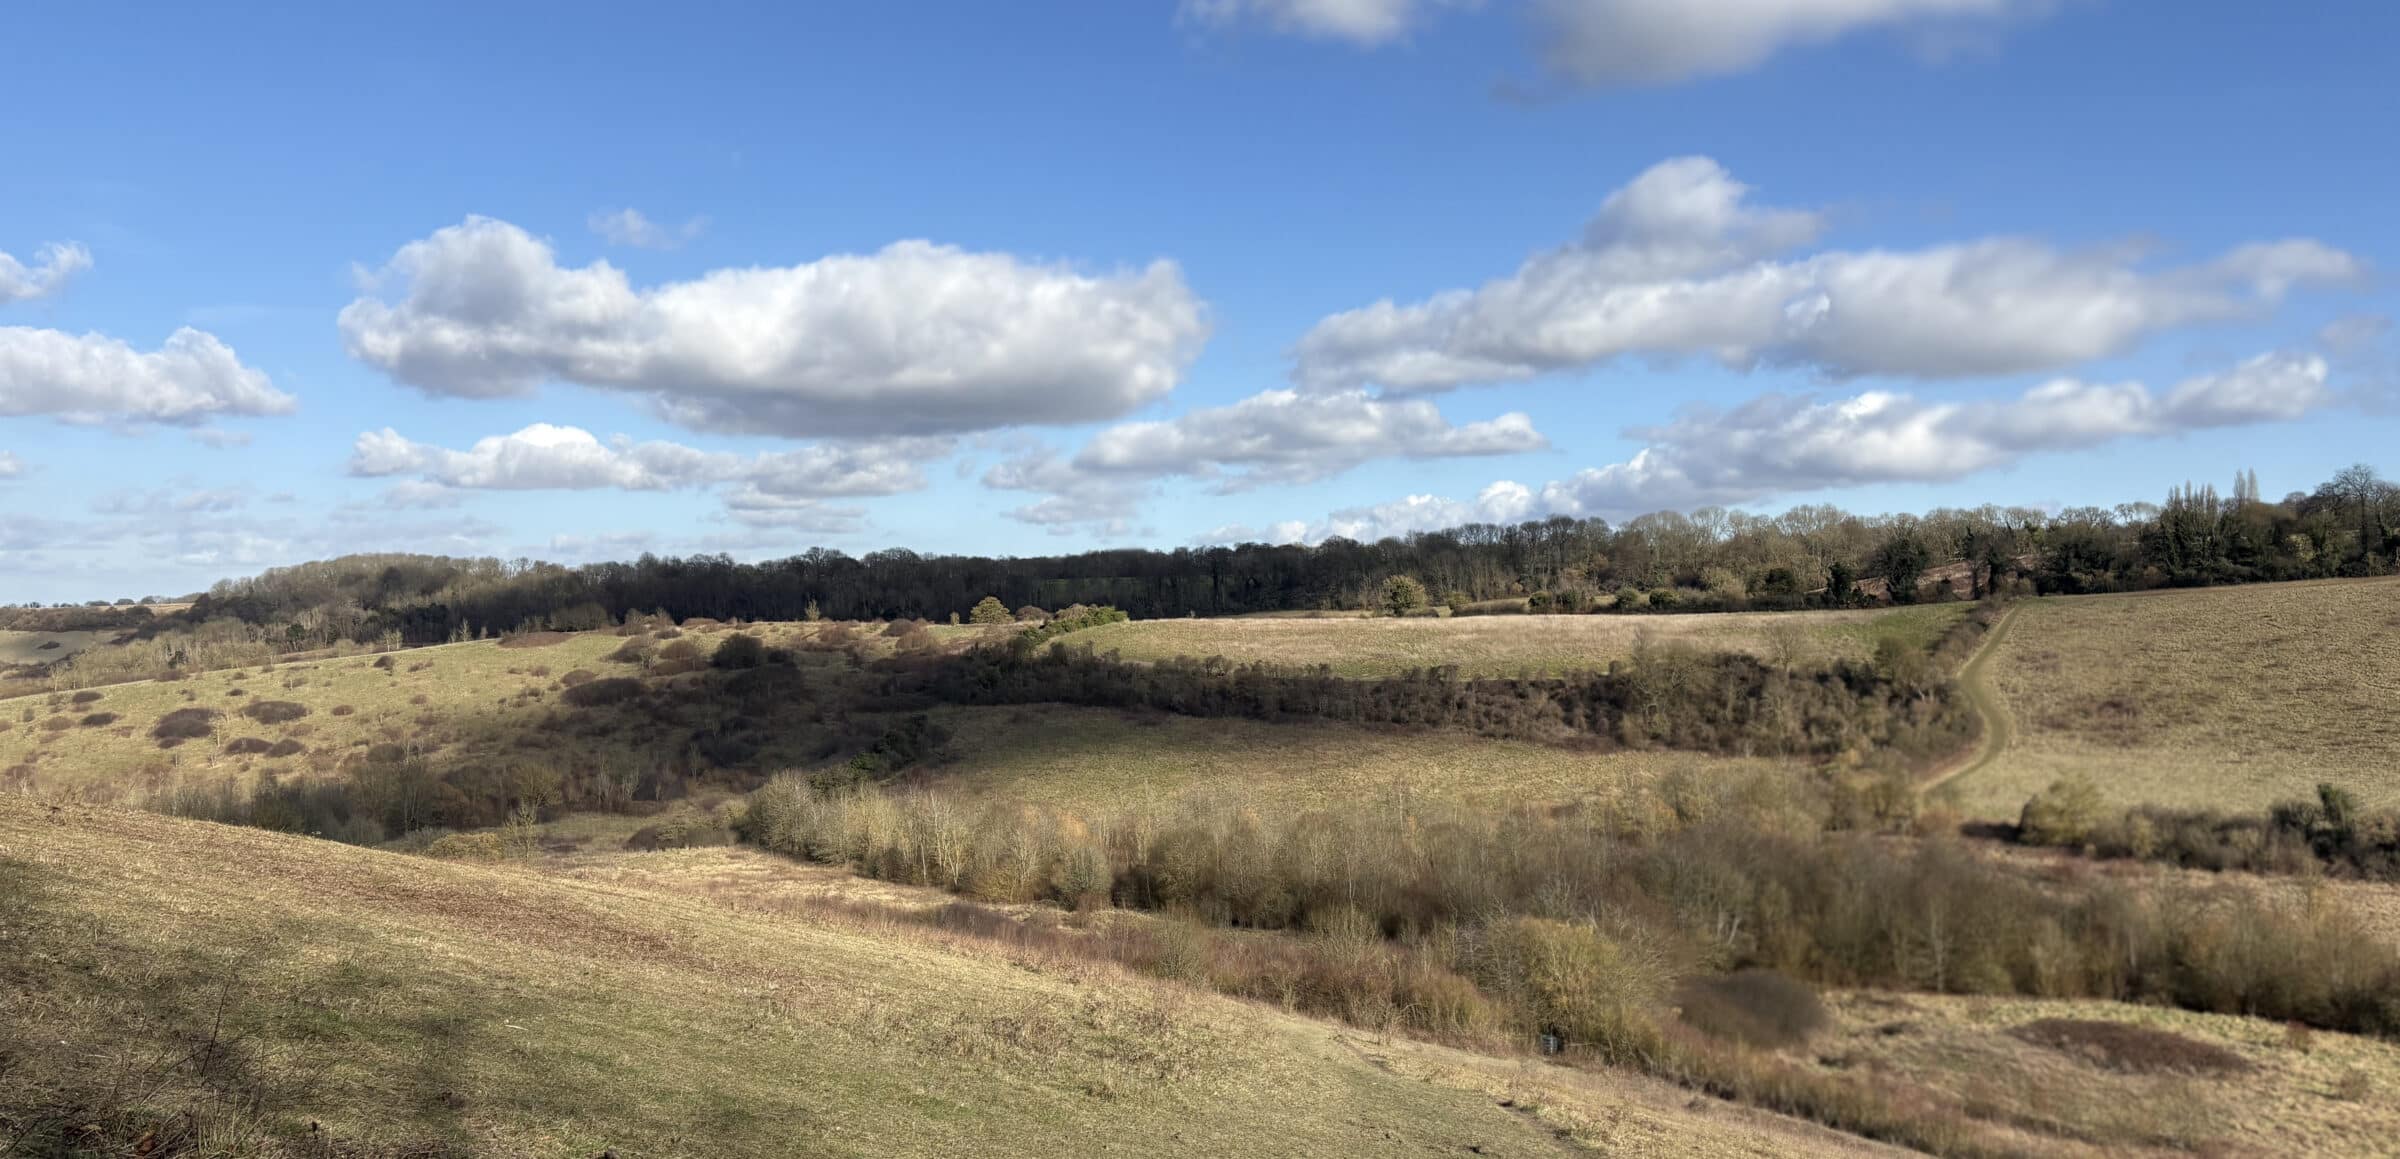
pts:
pixel 2320 1094
pixel 1507 645
pixel 461 685
pixel 402 1002
pixel 27 647
pixel 2230 698
pixel 1103 759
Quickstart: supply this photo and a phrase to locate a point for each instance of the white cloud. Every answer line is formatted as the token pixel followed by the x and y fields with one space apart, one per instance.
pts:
pixel 1363 22
pixel 1776 445
pixel 173 502
pixel 778 489
pixel 915 339
pixel 1678 264
pixel 1501 502
pixel 93 378
pixel 220 438
pixel 10 465
pixel 1625 42
pixel 1283 436
pixel 52 265
pixel 627 227
pixel 1073 497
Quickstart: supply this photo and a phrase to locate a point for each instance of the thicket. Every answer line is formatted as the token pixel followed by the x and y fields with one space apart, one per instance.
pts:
pixel 1638 899
pixel 2332 833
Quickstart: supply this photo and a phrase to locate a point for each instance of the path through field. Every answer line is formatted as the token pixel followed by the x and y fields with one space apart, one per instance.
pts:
pixel 1997 728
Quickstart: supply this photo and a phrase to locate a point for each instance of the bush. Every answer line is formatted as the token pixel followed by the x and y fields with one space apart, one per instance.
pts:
pixel 629 652
pixel 578 676
pixel 608 690
pixel 679 649
pixel 740 650
pixel 342 710
pixel 244 746
pixel 287 748
pixel 989 610
pixel 275 711
pixel 99 720
pixel 184 724
pixel 1029 614
pixel 1759 1008
pixel 2127 1047
pixel 84 697
pixel 2065 814
pixel 384 662
pixel 1574 982
pixel 59 723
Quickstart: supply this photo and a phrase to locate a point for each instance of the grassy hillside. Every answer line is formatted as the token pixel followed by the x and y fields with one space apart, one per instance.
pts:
pixel 1507 645
pixel 43 647
pixel 1101 759
pixel 2230 698
pixel 302 997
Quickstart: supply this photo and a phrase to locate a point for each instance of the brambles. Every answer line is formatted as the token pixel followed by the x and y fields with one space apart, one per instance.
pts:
pixel 184 724
pixel 1762 1008
pixel 274 711
pixel 2121 1046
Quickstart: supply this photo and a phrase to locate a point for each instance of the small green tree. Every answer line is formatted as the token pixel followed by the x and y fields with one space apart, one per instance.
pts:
pixel 813 613
pixel 1403 594
pixel 991 611
pixel 2065 814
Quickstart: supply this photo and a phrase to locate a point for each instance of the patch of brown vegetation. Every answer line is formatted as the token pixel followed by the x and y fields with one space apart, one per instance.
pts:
pixel 535 639
pixel 2137 1049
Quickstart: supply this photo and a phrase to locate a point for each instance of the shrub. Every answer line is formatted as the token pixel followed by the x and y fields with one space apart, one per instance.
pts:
pixel 989 610
pixel 184 724
pixel 244 746
pixel 275 711
pixel 608 690
pixel 1029 614
pixel 578 676
pixel 740 650
pixel 58 723
pixel 86 696
pixel 342 710
pixel 287 748
pixel 482 845
pixel 2064 814
pixel 679 649
pixel 2127 1047
pixel 1759 1008
pixel 1573 982
pixel 384 662
pixel 1403 594
pixel 629 652
pixel 99 720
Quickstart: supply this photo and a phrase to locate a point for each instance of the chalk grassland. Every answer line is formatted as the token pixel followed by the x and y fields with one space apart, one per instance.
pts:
pixel 2229 698
pixel 465 689
pixel 43 647
pixel 1104 760
pixel 409 1006
pixel 2217 1084
pixel 1508 645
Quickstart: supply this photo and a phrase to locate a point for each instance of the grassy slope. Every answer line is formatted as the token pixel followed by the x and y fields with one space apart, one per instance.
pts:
pixel 1100 759
pixel 26 647
pixel 2224 697
pixel 2327 1094
pixel 1506 645
pixel 401 1002
pixel 465 687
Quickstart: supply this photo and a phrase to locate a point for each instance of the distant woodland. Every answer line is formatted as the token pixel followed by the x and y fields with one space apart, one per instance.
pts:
pixel 1710 559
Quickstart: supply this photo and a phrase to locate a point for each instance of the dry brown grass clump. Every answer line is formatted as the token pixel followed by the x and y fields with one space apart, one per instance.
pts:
pixel 184 724
pixel 275 711
pixel 2127 1047
pixel 535 639
pixel 1762 1008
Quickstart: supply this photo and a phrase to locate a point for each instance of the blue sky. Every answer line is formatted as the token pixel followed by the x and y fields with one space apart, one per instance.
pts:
pixel 1040 277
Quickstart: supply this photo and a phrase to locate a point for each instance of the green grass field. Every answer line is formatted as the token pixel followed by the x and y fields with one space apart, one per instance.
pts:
pixel 1507 645
pixel 2230 698
pixel 301 997
pixel 43 647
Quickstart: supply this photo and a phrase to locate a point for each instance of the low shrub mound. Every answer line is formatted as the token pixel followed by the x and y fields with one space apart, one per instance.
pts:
pixel 632 651
pixel 608 690
pixel 287 748
pixel 578 676
pixel 535 639
pixel 59 723
pixel 184 724
pixel 275 711
pixel 244 746
pixel 86 696
pixel 740 650
pixel 1759 1008
pixel 343 710
pixel 2138 1049
pixel 100 720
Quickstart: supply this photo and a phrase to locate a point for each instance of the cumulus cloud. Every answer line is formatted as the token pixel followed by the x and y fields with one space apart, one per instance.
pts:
pixel 11 466
pixel 915 339
pixel 627 227
pixel 1635 42
pixel 92 378
pixel 1501 502
pixel 52 265
pixel 1283 436
pixel 1279 437
pixel 1363 22
pixel 1776 445
pixel 1678 263
pixel 774 489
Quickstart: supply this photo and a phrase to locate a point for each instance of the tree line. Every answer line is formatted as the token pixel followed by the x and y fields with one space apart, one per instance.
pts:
pixel 1709 559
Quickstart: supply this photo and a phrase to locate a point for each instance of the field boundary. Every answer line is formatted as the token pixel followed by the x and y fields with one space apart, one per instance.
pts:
pixel 1998 729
